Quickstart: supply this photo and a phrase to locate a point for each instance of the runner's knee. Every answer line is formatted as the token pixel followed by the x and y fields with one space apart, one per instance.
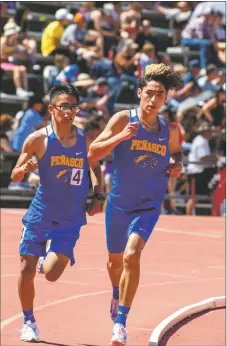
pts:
pixel 115 261
pixel 131 258
pixel 52 276
pixel 28 269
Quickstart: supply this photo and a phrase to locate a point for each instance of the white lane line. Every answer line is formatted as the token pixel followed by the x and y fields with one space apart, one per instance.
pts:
pixel 93 221
pixel 192 281
pixel 55 302
pixel 14 211
pixel 144 329
pixel 13 318
pixel 188 281
pixel 196 234
pixel 71 282
pixel 217 267
pixel 97 269
pixel 165 274
pixel 4 276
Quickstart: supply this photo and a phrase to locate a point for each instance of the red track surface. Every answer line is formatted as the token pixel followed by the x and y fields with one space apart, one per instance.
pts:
pixel 183 263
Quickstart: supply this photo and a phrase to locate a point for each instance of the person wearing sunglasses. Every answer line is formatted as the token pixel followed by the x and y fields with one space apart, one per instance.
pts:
pixel 58 209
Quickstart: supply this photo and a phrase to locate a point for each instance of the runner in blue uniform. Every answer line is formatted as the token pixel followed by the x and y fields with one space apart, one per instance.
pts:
pixel 58 209
pixel 146 151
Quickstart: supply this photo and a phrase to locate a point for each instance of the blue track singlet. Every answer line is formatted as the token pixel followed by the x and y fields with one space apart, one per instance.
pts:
pixel 64 183
pixel 140 179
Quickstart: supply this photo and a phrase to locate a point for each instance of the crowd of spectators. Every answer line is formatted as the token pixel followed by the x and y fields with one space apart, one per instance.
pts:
pixel 103 50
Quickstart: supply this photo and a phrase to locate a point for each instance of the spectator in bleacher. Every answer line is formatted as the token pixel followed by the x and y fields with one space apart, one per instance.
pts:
pixel 125 61
pixel 165 59
pixel 221 78
pixel 147 57
pixel 219 27
pixel 92 129
pixel 8 50
pixel 110 29
pixel 3 9
pixel 198 33
pixel 181 69
pixel 12 48
pixel 215 109
pixel 200 163
pixel 50 72
pixel 6 122
pixel 100 68
pixel 29 44
pixel 77 36
pixel 193 72
pixel 189 85
pixel 69 72
pixel 145 35
pixel 206 82
pixel 92 15
pixel 97 98
pixel 219 30
pixel 31 120
pixel 83 83
pixel 95 17
pixel 181 13
pixel 133 14
pixel 51 39
pixel 124 70
pixel 113 11
pixel 179 16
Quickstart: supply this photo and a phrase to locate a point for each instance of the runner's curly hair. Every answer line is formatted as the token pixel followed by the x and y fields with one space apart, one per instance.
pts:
pixel 163 74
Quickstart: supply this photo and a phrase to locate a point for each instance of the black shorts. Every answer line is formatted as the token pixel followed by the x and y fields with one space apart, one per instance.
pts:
pixel 201 181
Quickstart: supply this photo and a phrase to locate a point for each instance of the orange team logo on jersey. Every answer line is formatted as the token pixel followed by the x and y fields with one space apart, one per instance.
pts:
pixel 144 145
pixel 61 173
pixel 146 160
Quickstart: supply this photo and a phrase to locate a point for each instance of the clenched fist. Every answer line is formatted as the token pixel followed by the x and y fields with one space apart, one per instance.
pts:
pixel 19 172
pixel 30 166
pixel 175 169
pixel 130 130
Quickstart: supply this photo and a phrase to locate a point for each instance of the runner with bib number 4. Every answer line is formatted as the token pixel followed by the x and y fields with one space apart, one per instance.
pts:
pixel 58 209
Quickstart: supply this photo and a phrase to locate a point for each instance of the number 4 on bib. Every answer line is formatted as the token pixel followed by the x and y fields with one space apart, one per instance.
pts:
pixel 77 176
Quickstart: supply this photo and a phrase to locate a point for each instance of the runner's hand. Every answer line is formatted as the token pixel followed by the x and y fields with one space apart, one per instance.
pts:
pixel 94 207
pixel 130 130
pixel 175 169
pixel 30 166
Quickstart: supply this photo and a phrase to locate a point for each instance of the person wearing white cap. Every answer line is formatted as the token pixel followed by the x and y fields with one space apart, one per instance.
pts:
pixel 11 49
pixel 23 49
pixel 53 32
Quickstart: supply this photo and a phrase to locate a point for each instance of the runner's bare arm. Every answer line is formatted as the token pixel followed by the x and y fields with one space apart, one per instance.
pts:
pixel 25 163
pixel 95 171
pixel 174 145
pixel 176 166
pixel 117 130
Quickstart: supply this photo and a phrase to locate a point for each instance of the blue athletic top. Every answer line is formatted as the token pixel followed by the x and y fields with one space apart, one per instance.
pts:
pixel 139 178
pixel 64 182
pixel 28 124
pixel 70 72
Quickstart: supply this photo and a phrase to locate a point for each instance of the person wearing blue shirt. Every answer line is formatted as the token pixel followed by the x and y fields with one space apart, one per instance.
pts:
pixel 31 120
pixel 68 75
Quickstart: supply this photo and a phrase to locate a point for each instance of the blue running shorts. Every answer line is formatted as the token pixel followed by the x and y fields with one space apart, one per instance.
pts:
pixel 63 236
pixel 121 224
